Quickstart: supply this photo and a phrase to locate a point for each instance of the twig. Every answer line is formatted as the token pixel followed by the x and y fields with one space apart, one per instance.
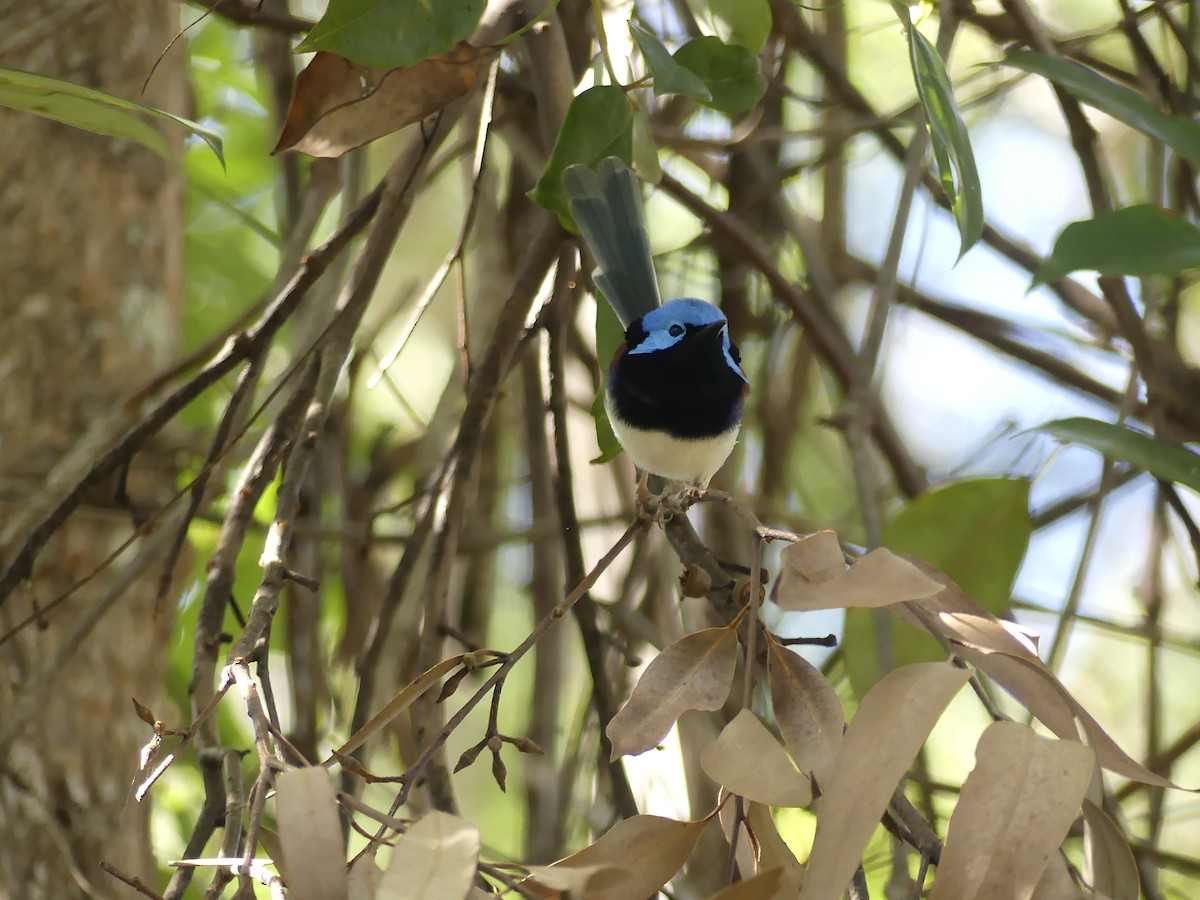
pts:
pixel 136 883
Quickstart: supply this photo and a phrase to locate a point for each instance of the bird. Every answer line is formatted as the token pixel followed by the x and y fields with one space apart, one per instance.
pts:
pixel 675 389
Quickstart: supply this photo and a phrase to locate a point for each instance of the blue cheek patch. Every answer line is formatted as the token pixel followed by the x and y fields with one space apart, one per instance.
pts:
pixel 725 344
pixel 659 339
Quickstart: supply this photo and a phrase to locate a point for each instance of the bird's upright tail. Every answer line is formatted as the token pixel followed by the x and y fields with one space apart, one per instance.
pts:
pixel 607 206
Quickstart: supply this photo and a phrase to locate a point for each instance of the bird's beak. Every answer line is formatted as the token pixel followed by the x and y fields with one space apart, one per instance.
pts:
pixel 710 330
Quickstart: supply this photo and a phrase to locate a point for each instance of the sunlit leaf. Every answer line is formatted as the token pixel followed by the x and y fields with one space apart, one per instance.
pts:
pixel 310 834
pixel 337 105
pixel 1012 814
pixel 807 710
pixel 599 123
pixel 772 779
pixel 391 33
pixel 947 131
pixel 94 110
pixel 364 878
pixel 650 849
pixel 891 724
pixel 1141 451
pixel 743 22
pixel 669 76
pixel 693 673
pixel 434 860
pixel 1180 133
pixel 733 74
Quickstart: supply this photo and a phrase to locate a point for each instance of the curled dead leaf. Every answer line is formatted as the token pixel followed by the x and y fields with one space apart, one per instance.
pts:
pixel 747 760
pixel 892 722
pixel 634 858
pixel 807 710
pixel 1013 813
pixel 693 673
pixel 813 559
pixel 880 578
pixel 338 105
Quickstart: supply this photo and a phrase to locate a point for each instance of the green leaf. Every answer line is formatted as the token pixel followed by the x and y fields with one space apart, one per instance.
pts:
pixel 669 76
pixel 599 123
pixel 1177 132
pixel 948 134
pixel 393 33
pixel 733 74
pixel 93 110
pixel 609 336
pixel 1139 240
pixel 645 152
pixel 746 23
pixel 975 531
pixel 1176 464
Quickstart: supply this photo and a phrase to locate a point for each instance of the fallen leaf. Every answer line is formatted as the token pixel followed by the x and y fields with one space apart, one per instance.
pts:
pixel 650 849
pixel 434 860
pixel 764 886
pixel 310 834
pixel 746 760
pixel 892 722
pixel 807 710
pixel 1013 812
pixel 693 673
pixel 338 105
pixel 1109 866
pixel 878 579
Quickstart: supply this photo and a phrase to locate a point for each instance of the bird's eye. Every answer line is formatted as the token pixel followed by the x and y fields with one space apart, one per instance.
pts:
pixel 676 330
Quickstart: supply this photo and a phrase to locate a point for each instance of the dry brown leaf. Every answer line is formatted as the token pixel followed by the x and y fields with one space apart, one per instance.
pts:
pixel 650 849
pixel 880 578
pixel 813 559
pixel 1033 684
pixel 1056 882
pixel 401 701
pixel 338 105
pixel 579 881
pixel 693 673
pixel 1012 814
pixel 892 722
pixel 310 834
pixel 807 710
pixel 365 876
pixel 434 860
pixel 764 886
pixel 1109 865
pixel 747 851
pixel 748 761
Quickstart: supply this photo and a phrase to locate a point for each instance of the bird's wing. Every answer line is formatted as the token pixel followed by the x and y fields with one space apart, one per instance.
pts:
pixel 607 206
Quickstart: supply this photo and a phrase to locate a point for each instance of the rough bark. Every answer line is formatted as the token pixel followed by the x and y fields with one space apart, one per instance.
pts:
pixel 90 275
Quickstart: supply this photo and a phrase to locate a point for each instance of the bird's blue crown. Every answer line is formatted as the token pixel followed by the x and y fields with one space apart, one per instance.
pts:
pixel 667 325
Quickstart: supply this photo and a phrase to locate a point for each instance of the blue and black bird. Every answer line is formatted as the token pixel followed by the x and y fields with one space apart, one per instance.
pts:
pixel 675 389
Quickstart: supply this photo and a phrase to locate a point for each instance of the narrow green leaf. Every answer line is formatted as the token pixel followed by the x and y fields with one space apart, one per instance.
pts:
pixel 1139 240
pixel 977 532
pixel 669 76
pixel 609 336
pixel 746 23
pixel 948 134
pixel 392 33
pixel 1170 463
pixel 93 110
pixel 599 123
pixel 1177 132
pixel 733 74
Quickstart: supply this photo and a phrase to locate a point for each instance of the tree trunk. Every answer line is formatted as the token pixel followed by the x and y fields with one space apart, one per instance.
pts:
pixel 90 276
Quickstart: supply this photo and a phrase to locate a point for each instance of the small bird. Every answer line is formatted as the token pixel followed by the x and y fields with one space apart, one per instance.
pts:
pixel 675 389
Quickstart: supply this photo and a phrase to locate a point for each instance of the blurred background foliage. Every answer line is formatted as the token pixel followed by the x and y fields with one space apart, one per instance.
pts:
pixel 1069 532
pixel 966 362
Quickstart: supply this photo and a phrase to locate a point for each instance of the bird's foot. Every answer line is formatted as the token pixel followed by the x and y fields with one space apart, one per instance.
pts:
pixel 674 500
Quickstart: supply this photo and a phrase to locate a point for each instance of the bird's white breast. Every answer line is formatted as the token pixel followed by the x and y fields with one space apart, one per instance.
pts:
pixel 682 459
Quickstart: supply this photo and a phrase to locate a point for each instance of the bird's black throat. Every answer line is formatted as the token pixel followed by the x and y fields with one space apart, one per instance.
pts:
pixel 687 390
